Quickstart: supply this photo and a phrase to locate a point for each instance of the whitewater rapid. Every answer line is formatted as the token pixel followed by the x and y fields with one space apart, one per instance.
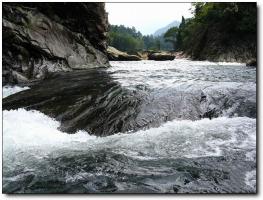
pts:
pixel 31 139
pixel 175 139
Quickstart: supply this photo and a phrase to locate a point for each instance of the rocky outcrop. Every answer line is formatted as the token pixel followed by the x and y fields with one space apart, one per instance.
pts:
pixel 252 63
pixel 221 32
pixel 81 100
pixel 215 46
pixel 92 100
pixel 116 55
pixel 42 38
pixel 143 54
pixel 161 56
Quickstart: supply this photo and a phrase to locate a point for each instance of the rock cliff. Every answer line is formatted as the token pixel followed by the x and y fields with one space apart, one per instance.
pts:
pixel 41 38
pixel 216 45
pixel 225 32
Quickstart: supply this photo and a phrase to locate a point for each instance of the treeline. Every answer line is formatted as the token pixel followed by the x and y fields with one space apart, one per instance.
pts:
pixel 130 40
pixel 215 29
pixel 226 30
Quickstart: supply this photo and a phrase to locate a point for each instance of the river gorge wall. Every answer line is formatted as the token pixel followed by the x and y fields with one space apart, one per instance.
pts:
pixel 215 46
pixel 42 38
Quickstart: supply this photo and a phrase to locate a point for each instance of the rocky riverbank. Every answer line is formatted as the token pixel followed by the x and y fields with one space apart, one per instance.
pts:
pixel 117 55
pixel 42 38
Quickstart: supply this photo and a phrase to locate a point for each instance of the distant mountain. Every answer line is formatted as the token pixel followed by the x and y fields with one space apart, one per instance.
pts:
pixel 164 29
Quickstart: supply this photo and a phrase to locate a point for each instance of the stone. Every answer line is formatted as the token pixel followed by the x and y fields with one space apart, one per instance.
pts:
pixel 117 55
pixel 51 33
pixel 19 77
pixel 161 56
pixel 252 63
pixel 81 100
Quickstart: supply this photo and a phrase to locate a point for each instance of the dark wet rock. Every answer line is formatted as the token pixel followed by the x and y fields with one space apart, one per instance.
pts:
pixel 19 77
pixel 107 172
pixel 116 55
pixel 81 100
pixel 252 63
pixel 51 37
pixel 203 97
pixel 91 100
pixel 143 54
pixel 160 56
pixel 214 44
pixel 210 114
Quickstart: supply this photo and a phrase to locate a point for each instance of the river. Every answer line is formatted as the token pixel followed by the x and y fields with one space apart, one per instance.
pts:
pixel 196 134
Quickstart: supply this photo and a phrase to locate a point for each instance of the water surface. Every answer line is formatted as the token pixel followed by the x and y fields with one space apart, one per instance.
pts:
pixel 202 140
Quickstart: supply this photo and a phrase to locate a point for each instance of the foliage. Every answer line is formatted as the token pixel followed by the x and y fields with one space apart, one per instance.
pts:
pixel 171 36
pixel 130 40
pixel 221 23
pixel 125 38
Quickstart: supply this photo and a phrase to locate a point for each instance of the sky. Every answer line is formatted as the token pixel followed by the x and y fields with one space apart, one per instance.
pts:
pixel 147 17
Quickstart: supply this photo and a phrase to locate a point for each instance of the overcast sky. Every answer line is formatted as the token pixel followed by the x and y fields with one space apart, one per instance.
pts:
pixel 147 17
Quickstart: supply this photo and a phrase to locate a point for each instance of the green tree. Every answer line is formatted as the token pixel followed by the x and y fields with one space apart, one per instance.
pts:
pixel 171 36
pixel 125 38
pixel 223 24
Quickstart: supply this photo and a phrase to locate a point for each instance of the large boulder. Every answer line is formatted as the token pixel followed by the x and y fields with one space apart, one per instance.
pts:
pixel 143 54
pixel 181 55
pixel 116 55
pixel 87 100
pixel 41 38
pixel 161 56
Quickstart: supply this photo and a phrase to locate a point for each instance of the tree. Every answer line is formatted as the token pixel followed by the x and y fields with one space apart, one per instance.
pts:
pixel 158 44
pixel 171 36
pixel 182 25
pixel 218 25
pixel 125 38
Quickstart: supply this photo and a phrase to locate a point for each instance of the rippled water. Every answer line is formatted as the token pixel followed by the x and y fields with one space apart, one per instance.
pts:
pixel 184 154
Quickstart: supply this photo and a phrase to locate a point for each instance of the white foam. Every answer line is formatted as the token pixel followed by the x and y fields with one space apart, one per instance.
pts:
pixel 23 129
pixel 251 179
pixel 155 74
pixel 31 129
pixel 9 90
pixel 28 134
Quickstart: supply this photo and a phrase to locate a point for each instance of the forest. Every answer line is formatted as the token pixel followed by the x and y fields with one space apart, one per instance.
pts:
pixel 225 25
pixel 130 40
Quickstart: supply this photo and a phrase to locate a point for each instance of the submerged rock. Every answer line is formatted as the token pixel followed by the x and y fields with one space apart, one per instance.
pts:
pixel 51 37
pixel 81 100
pixel 116 55
pixel 93 101
pixel 160 56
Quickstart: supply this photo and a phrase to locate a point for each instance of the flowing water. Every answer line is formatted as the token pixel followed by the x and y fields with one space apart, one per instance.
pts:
pixel 205 141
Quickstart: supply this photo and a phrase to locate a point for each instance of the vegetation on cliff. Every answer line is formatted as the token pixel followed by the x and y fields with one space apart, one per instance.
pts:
pixel 218 31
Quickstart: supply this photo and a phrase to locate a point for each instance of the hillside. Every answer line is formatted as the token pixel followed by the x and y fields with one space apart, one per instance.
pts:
pixel 220 32
pixel 161 31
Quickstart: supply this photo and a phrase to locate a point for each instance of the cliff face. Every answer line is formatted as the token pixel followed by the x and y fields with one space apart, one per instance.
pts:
pixel 215 45
pixel 220 32
pixel 41 38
